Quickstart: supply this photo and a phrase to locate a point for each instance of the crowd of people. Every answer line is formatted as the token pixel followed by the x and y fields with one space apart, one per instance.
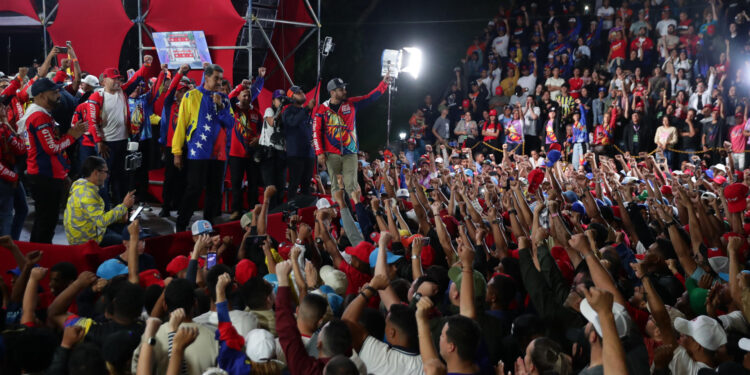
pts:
pixel 585 171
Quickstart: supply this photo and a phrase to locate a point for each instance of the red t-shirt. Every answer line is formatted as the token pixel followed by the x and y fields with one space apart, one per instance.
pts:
pixel 575 86
pixel 617 48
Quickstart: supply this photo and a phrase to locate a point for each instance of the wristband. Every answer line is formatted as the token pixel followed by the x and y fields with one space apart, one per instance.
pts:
pixel 373 290
pixel 413 257
pixel 512 212
pixel 556 214
pixel 364 296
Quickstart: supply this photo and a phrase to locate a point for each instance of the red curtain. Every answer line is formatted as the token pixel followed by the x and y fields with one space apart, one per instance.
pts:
pixel 217 18
pixel 96 29
pixel 285 38
pixel 19 6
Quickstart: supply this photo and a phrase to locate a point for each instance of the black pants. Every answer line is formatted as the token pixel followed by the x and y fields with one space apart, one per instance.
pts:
pixel 201 174
pixel 48 194
pixel 239 168
pixel 175 181
pixel 273 169
pixel 300 174
pixel 138 180
pixel 116 184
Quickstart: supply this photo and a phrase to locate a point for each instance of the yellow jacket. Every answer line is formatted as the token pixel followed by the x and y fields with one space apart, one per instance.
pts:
pixel 84 218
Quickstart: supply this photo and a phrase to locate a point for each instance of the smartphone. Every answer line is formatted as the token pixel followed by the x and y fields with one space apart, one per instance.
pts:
pixel 62 49
pixel 425 241
pixel 135 213
pixel 210 260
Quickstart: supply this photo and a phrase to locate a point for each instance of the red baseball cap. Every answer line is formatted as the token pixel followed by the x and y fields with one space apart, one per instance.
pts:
pixel 498 91
pixel 177 264
pixel 112 73
pixel 535 178
pixel 666 190
pixel 150 277
pixel 361 251
pixel 245 270
pixel 555 146
pixel 736 195
pixel 466 103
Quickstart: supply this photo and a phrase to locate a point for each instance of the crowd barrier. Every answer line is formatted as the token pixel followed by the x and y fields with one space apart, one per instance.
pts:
pixel 88 256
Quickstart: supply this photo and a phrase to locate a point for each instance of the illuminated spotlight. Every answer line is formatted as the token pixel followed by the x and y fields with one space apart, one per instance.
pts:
pixel 407 60
pixel 402 136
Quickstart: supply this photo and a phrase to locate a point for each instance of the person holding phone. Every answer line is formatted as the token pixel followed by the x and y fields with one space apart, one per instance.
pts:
pixel 85 217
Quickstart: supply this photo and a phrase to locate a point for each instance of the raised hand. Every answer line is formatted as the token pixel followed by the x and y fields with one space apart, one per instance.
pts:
pixel 176 318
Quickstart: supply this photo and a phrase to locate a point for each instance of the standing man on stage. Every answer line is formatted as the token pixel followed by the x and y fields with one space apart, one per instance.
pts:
pixel 204 117
pixel 335 131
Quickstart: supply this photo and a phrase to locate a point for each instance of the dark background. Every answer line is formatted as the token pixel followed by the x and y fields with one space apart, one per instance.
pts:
pixel 361 30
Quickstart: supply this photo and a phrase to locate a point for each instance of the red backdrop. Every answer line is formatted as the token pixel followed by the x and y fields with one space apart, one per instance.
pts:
pixel 97 30
pixel 19 6
pixel 285 38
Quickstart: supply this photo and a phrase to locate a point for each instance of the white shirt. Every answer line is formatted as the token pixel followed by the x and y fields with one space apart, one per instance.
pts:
pixel 496 74
pixel 243 321
pixel 114 110
pixel 265 133
pixel 500 45
pixel 527 82
pixel 603 12
pixel 381 359
pixel 663 25
pixel 552 81
pixel 684 365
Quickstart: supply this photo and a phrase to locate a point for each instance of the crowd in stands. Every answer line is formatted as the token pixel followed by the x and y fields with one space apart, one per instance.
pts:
pixel 584 172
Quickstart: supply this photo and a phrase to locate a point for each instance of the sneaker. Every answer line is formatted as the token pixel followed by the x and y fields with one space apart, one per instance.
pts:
pixel 235 216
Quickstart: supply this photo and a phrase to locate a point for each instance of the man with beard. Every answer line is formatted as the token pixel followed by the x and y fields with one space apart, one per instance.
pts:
pixel 300 157
pixel 46 164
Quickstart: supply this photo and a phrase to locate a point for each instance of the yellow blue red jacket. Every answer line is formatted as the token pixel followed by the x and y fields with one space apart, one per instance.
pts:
pixel 84 218
pixel 202 126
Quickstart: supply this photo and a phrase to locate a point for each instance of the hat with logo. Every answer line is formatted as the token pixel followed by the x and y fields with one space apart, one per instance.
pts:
pixel 736 195
pixel 201 227
pixel 278 93
pixel 336 83
pixel 150 277
pixel 113 73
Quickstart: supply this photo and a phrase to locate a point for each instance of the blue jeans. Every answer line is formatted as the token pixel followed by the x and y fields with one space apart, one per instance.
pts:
pixel 578 150
pixel 13 209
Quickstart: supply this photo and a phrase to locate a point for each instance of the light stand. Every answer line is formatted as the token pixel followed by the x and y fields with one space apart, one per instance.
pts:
pixel 391 88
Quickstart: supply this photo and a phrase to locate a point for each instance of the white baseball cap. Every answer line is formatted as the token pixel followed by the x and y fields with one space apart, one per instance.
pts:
pixel 628 180
pixel 744 344
pixel 704 330
pixel 322 203
pixel 402 193
pixel 439 160
pixel 619 312
pixel 91 80
pixel 334 278
pixel 260 345
pixel 720 167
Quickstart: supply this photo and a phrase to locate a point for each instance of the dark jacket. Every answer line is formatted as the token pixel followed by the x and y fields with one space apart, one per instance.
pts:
pixel 298 129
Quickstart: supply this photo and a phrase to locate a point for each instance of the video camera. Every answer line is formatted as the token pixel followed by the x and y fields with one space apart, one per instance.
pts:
pixel 134 159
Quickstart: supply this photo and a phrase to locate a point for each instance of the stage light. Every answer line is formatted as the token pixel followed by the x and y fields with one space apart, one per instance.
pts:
pixel 402 136
pixel 407 60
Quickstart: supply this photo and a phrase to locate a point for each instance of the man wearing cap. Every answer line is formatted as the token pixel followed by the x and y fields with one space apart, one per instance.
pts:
pixel 243 143
pixel 204 116
pixel 167 106
pixel 299 152
pixel 109 117
pixel 46 165
pixel 335 131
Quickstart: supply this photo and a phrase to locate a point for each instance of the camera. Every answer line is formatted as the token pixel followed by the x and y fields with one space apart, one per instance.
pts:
pixel 133 161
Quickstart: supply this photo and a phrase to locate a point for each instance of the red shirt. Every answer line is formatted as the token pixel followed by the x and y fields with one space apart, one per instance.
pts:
pixel 490 126
pixel 575 86
pixel 246 125
pixel 11 146
pixel 617 49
